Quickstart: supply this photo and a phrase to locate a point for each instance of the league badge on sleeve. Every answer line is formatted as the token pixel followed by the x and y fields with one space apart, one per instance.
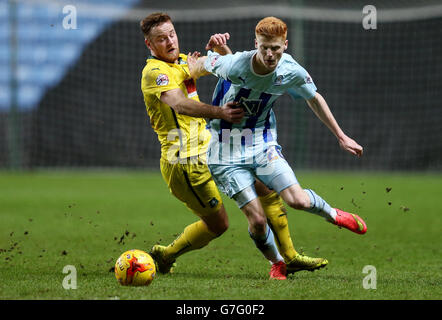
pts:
pixel 162 80
pixel 213 60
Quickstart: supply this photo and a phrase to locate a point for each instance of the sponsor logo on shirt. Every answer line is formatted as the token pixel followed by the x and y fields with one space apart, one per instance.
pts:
pixel 250 106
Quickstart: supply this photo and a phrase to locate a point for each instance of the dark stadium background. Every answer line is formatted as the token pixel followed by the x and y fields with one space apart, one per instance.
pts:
pixel 383 86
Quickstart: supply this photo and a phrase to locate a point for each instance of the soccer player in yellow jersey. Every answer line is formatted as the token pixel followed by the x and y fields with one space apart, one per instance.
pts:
pixel 177 116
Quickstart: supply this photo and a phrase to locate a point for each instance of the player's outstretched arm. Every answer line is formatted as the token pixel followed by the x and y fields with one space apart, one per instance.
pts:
pixel 217 43
pixel 196 66
pixel 323 112
pixel 176 99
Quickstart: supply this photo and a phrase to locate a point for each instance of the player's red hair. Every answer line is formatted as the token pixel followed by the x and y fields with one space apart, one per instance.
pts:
pixel 271 27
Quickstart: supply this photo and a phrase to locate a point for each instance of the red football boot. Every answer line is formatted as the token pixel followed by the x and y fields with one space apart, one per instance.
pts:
pixel 278 271
pixel 350 221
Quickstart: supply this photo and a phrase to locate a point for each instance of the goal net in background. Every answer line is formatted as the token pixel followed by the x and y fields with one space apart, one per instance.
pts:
pixel 71 97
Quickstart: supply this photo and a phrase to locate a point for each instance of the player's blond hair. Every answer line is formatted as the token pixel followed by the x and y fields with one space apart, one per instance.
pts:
pixel 271 27
pixel 153 20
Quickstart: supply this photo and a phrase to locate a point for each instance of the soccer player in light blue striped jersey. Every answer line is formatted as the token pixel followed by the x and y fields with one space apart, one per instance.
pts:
pixel 239 153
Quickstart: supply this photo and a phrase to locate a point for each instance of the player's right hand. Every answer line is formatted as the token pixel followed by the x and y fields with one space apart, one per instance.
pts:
pixel 217 40
pixel 232 112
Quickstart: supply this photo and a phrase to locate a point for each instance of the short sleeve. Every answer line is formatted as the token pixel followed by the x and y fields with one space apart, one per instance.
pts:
pixel 219 65
pixel 302 84
pixel 292 92
pixel 157 80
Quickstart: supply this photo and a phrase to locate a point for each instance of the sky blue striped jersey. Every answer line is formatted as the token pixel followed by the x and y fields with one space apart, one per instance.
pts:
pixel 240 143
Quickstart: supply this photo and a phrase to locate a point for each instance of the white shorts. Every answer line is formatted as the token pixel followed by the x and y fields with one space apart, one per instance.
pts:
pixel 237 180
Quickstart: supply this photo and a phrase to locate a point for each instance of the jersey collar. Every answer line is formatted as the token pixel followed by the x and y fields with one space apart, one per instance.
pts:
pixel 180 59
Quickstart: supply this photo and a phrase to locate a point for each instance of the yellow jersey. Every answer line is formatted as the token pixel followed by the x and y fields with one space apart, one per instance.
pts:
pixel 181 136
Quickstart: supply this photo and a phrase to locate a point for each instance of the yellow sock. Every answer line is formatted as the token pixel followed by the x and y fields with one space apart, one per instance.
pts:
pixel 277 220
pixel 194 236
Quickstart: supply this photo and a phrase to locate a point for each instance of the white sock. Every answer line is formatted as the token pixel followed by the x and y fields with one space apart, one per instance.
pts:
pixel 333 213
pixel 266 244
pixel 320 207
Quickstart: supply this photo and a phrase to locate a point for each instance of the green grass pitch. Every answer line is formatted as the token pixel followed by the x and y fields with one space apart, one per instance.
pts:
pixel 87 219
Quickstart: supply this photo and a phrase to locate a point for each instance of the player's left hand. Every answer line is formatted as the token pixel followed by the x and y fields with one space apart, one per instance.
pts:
pixel 192 63
pixel 351 146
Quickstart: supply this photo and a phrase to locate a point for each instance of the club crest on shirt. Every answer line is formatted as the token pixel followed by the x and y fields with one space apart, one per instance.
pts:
pixel 278 80
pixel 162 80
pixel 308 79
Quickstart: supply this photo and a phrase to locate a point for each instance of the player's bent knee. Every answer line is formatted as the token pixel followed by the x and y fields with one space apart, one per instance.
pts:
pixel 218 229
pixel 219 225
pixel 259 224
pixel 222 227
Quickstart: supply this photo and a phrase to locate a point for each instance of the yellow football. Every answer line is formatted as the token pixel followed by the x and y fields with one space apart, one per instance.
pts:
pixel 135 268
